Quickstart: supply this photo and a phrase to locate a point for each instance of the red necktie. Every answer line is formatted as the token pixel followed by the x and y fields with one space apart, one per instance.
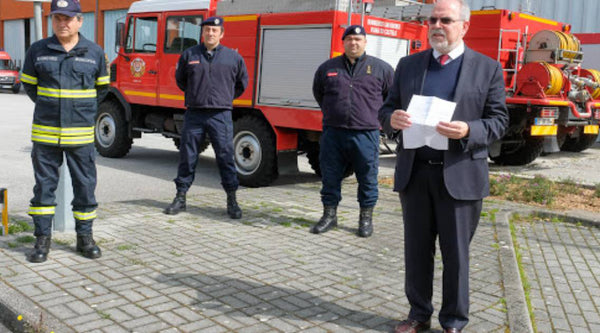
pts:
pixel 443 58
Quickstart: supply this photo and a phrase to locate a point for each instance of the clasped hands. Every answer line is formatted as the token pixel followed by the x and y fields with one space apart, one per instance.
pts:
pixel 456 129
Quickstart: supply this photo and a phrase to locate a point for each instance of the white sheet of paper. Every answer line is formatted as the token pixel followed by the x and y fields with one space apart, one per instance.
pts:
pixel 425 113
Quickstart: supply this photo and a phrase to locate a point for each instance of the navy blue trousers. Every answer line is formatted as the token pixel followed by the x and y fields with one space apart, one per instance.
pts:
pixel 430 212
pixel 46 162
pixel 341 148
pixel 219 126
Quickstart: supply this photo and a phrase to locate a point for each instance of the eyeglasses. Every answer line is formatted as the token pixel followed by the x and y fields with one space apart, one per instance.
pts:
pixel 443 20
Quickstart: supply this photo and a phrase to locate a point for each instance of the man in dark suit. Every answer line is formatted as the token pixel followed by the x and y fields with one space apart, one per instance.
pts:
pixel 441 191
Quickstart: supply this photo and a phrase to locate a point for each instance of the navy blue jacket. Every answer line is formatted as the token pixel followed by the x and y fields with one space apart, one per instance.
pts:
pixel 351 99
pixel 66 88
pixel 480 102
pixel 211 83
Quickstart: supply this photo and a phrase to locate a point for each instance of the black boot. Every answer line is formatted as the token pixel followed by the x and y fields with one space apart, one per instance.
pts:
pixel 365 222
pixel 40 250
pixel 178 204
pixel 87 246
pixel 327 221
pixel 233 209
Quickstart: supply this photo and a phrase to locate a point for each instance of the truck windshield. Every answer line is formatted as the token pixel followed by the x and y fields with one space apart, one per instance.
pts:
pixel 5 64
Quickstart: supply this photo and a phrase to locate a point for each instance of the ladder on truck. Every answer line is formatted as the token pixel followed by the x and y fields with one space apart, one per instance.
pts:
pixel 520 47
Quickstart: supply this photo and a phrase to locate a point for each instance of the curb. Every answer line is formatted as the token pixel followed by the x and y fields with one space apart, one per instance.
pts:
pixel 518 314
pixel 14 304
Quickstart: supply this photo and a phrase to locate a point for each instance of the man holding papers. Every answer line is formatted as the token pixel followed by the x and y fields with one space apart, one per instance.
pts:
pixel 442 177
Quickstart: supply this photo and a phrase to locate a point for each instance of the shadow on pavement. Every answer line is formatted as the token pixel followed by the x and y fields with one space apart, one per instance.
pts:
pixel 242 299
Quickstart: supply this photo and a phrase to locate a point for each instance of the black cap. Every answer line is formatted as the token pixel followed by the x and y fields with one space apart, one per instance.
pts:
pixel 214 21
pixel 354 30
pixel 65 7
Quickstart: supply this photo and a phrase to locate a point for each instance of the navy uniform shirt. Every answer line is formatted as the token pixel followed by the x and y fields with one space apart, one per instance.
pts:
pixel 211 81
pixel 351 95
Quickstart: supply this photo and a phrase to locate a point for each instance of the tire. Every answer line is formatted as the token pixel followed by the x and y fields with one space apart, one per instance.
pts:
pixel 112 137
pixel 254 152
pixel 16 88
pixel 520 153
pixel 580 143
pixel 312 152
pixel 201 148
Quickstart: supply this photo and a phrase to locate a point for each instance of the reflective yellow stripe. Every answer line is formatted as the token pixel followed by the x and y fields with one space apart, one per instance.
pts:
pixel 47 210
pixel 245 102
pixel 485 12
pixel 103 80
pixel 29 79
pixel 66 93
pixel 42 138
pixel 541 130
pixel 58 135
pixel 85 215
pixel 139 93
pixel 537 19
pixel 561 103
pixel 241 18
pixel 173 97
pixel 590 129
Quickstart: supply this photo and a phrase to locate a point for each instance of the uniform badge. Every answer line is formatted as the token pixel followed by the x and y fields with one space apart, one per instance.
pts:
pixel 332 74
pixel 369 71
pixel 194 62
pixel 217 21
pixel 138 67
pixel 357 30
pixel 62 4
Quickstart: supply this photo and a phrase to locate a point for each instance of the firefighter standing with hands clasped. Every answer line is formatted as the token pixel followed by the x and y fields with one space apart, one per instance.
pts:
pixel 350 90
pixel 212 76
pixel 66 76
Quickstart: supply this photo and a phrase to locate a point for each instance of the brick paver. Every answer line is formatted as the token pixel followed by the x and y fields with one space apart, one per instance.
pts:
pixel 201 271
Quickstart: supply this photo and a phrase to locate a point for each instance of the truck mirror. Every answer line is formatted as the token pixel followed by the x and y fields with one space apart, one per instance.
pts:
pixel 119 34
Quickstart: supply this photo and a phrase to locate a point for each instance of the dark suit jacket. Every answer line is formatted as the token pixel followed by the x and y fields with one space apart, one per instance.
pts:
pixel 480 99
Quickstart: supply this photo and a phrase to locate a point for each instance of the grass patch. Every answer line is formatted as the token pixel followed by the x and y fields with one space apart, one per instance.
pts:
pixel 25 239
pixel 12 245
pixel 125 247
pixel 60 241
pixel 19 226
pixel 597 191
pixel 524 278
pixel 175 253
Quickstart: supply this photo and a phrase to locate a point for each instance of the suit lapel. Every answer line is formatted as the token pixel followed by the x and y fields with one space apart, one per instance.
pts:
pixel 420 71
pixel 466 74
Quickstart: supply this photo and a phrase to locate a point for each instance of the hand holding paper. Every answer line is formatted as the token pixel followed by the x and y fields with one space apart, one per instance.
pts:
pixel 425 113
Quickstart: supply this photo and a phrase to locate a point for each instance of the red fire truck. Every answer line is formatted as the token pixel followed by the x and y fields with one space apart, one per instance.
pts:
pixel 9 73
pixel 282 42
pixel 553 103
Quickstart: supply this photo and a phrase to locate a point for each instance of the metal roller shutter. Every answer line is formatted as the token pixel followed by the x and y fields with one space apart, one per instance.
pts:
pixel 290 58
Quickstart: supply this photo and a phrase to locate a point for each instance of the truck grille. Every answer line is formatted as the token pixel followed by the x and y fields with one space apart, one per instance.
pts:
pixel 7 79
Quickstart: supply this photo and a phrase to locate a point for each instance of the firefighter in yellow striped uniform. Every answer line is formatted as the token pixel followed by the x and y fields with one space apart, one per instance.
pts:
pixel 66 76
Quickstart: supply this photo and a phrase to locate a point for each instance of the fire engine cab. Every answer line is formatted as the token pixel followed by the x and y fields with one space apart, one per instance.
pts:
pixel 282 42
pixel 9 73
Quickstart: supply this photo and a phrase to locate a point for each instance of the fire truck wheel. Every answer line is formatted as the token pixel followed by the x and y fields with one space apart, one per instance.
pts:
pixel 520 153
pixel 201 148
pixel 112 139
pixel 580 143
pixel 312 153
pixel 16 88
pixel 254 152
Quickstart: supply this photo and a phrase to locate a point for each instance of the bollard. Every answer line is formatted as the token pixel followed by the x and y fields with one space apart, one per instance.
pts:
pixel 4 199
pixel 63 216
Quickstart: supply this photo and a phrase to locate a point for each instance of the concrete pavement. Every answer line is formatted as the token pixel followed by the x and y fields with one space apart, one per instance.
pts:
pixel 202 272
